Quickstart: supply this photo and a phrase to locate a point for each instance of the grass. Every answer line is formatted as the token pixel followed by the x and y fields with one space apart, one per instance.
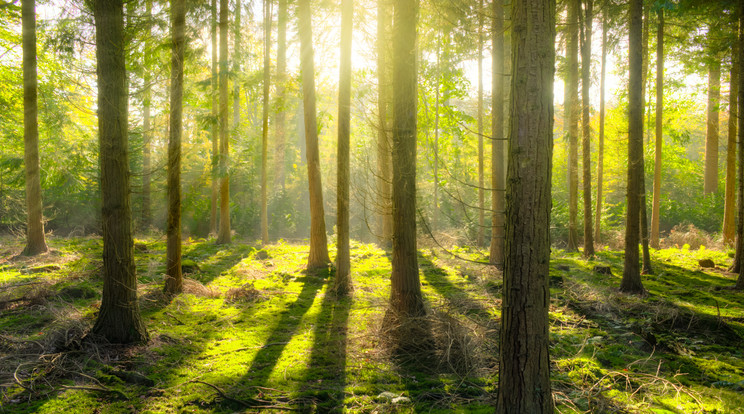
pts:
pixel 255 331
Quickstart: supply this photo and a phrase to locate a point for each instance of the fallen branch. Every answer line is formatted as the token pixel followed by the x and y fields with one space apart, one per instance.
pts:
pixel 252 403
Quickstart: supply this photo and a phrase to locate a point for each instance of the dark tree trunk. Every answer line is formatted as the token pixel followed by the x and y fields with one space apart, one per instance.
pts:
pixel 343 265
pixel 214 130
pixel 740 147
pixel 384 144
pixel 481 176
pixel 600 144
pixel 524 364
pixel 224 236
pixel 586 65
pixel 265 124
pixel 119 319
pixel 146 121
pixel 496 257
pixel 280 118
pixel 655 208
pixel 318 257
pixel 35 241
pixel 174 279
pixel 729 211
pixel 631 282
pixel 572 50
pixel 710 184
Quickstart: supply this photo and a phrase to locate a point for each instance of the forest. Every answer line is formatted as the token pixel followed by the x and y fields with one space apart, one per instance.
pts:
pixel 519 206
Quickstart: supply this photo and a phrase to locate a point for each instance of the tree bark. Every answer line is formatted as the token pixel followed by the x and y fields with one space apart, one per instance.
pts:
pixel 586 65
pixel 646 262
pixel 384 144
pixel 174 279
pixel 600 144
pixel 146 122
pixel 572 51
pixel 343 262
pixel 524 364
pixel 631 282
pixel 224 236
pixel 265 124
pixel 496 256
pixel 655 208
pixel 729 211
pixel 280 118
pixel 35 241
pixel 740 147
pixel 437 97
pixel 318 257
pixel 481 176
pixel 710 184
pixel 214 129
pixel 119 319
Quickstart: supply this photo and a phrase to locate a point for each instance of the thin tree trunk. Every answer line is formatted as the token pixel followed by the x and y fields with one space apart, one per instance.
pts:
pixel 214 130
pixel 600 144
pixel 740 147
pixel 265 124
pixel 146 121
pixel 729 211
pixel 224 236
pixel 318 257
pixel 280 117
pixel 437 96
pixel 496 256
pixel 35 241
pixel 586 65
pixel 119 319
pixel 384 144
pixel 481 176
pixel 343 266
pixel 710 184
pixel 572 50
pixel 174 279
pixel 655 209
pixel 646 266
pixel 631 282
pixel 524 363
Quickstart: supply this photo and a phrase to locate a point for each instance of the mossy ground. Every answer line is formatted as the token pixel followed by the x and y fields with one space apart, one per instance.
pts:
pixel 255 331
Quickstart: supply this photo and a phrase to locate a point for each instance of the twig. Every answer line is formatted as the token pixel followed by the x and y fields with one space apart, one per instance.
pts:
pixel 174 317
pixel 252 403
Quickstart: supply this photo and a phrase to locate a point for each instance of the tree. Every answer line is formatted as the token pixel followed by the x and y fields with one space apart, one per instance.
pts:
pixel 119 319
pixel 600 143
pixel 586 65
pixel 35 241
pixel 729 226
pixel 214 131
pixel 655 208
pixel 740 147
pixel 481 176
pixel 710 184
pixel 281 69
pixel 631 282
pixel 318 257
pixel 384 146
pixel 496 256
pixel 265 124
pixel 572 92
pixel 646 267
pixel 524 363
pixel 224 235
pixel 343 265
pixel 174 279
pixel 146 121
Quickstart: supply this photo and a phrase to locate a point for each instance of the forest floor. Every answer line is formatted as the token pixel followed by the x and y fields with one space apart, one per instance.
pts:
pixel 255 332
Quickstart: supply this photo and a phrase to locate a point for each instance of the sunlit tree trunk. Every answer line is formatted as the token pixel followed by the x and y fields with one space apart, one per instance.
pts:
pixel 119 319
pixel 524 363
pixel 481 176
pixel 437 97
pixel 655 209
pixel 631 282
pixel 384 144
pixel 343 265
pixel 496 257
pixel 729 226
pixel 35 241
pixel 586 65
pixel 710 184
pixel 600 144
pixel 174 279
pixel 280 117
pixel 646 262
pixel 572 84
pixel 318 240
pixel 740 147
pixel 214 131
pixel 146 120
pixel 265 124
pixel 224 236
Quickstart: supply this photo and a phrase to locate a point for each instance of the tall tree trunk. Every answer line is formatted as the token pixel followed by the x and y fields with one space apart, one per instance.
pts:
pixel 586 65
pixel 146 121
pixel 280 117
pixel 35 241
pixel 631 282
pixel 600 144
pixel 343 266
pixel 174 279
pixel 119 319
pixel 646 266
pixel 384 143
pixel 572 51
pixel 710 184
pixel 740 147
pixel 265 124
pixel 524 364
pixel 214 130
pixel 729 226
pixel 437 97
pixel 224 236
pixel 405 296
pixel 481 176
pixel 496 257
pixel 655 208
pixel 318 242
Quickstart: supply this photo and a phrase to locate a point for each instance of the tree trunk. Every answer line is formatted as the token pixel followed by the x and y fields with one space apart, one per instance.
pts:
pixel 280 117
pixel 631 282
pixel 224 236
pixel 174 279
pixel 119 320
pixel 35 241
pixel 214 126
pixel 343 266
pixel 740 147
pixel 405 296
pixel 729 225
pixel 318 242
pixel 481 176
pixel 710 184
pixel 572 51
pixel 600 144
pixel 146 121
pixel 265 124
pixel 437 97
pixel 496 257
pixel 586 65
pixel 655 209
pixel 384 144
pixel 524 364
pixel 646 266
